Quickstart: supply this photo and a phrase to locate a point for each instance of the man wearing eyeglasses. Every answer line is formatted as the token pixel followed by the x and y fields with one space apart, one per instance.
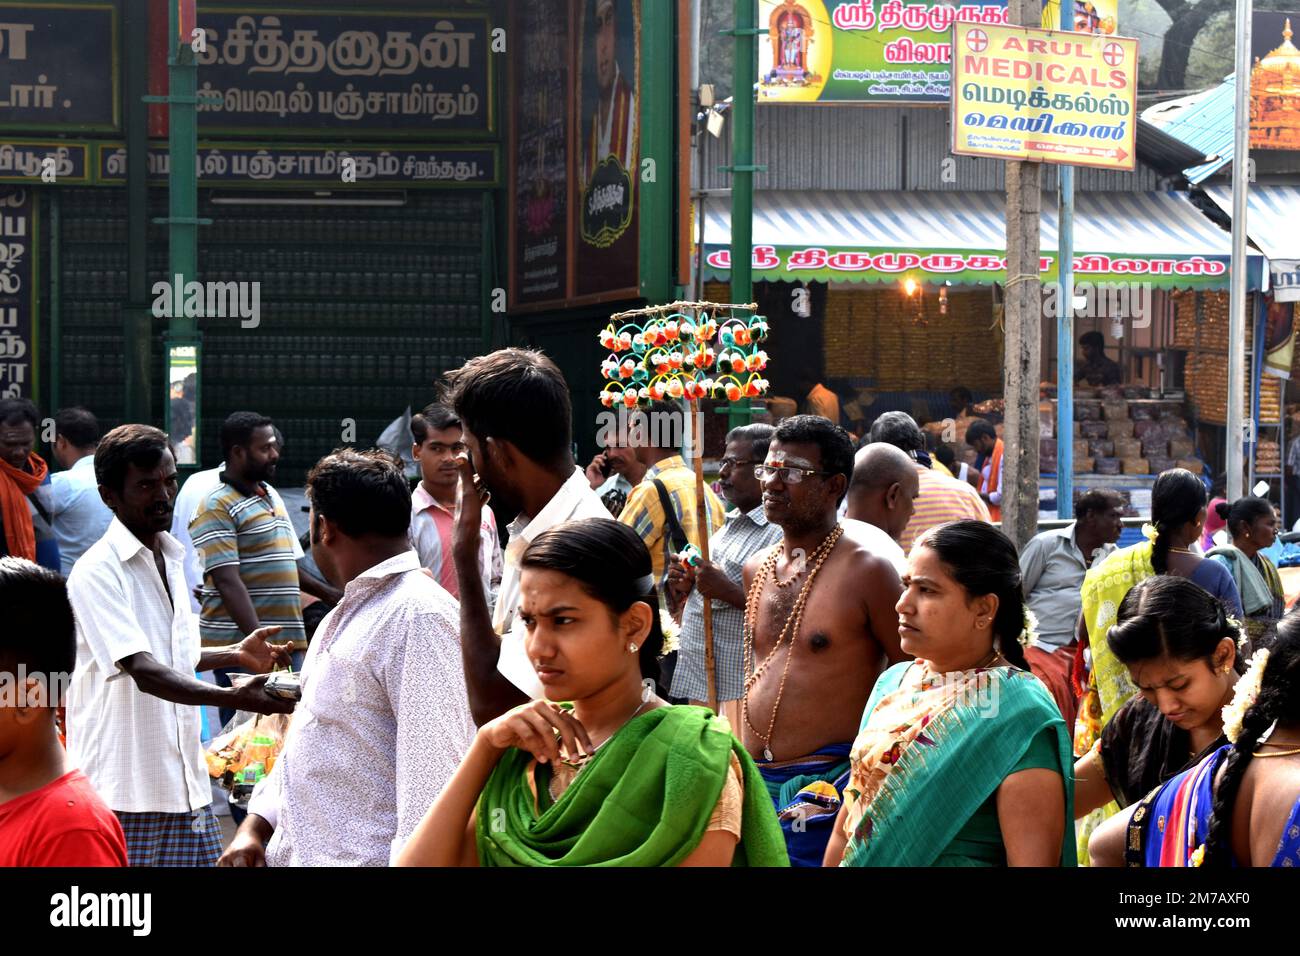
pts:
pixel 821 628
pixel 439 438
pixel 746 532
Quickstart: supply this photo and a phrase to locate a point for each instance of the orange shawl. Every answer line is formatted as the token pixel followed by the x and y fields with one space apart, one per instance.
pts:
pixel 15 486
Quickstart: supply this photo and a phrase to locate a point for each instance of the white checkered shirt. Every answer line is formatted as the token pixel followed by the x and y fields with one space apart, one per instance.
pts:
pixel 742 536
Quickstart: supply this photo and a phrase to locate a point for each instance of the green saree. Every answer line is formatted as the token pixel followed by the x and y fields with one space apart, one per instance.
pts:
pixel 643 800
pixel 930 758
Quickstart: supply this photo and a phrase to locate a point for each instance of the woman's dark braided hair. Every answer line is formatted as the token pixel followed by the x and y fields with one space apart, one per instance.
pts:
pixel 1177 497
pixel 983 561
pixel 1279 699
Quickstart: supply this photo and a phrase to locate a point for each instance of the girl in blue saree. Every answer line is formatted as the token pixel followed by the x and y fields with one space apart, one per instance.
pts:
pixel 963 758
pixel 1238 806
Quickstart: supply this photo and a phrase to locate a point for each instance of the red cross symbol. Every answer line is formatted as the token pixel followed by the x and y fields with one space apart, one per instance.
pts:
pixel 1113 54
pixel 977 41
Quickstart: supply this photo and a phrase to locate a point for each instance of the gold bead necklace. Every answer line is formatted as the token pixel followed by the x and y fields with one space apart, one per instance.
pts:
pixel 791 628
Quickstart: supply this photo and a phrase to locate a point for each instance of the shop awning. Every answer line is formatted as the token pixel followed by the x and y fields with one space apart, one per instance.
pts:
pixel 960 237
pixel 1271 213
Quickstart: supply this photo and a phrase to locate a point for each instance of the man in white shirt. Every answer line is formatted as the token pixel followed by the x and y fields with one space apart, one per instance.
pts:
pixel 515 409
pixel 77 513
pixel 384 720
pixel 133 717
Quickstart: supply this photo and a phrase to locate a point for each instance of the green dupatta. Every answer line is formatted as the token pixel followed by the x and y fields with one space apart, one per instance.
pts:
pixel 928 757
pixel 644 799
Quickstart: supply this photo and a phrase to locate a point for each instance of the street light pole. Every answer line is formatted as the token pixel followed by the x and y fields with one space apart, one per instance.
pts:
pixel 1236 433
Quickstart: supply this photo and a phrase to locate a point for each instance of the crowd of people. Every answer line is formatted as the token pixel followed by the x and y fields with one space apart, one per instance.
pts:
pixel 507 665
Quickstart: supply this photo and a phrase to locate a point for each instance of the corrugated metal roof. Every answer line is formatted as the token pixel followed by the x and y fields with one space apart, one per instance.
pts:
pixel 1150 223
pixel 1271 213
pixel 853 146
pixel 1205 125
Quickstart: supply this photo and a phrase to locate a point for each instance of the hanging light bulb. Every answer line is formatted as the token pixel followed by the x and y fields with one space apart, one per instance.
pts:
pixel 909 287
pixel 943 300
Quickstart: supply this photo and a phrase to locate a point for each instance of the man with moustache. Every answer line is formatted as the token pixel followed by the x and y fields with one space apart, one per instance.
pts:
pixel 820 628
pixel 625 471
pixel 133 705
pixel 517 418
pixel 745 533
pixel 247 545
pixel 384 721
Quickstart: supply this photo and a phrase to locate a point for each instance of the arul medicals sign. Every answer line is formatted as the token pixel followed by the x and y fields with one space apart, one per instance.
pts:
pixel 1043 95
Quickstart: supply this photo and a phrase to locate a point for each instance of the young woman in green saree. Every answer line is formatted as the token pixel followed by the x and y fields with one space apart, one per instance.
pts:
pixel 963 758
pixel 620 778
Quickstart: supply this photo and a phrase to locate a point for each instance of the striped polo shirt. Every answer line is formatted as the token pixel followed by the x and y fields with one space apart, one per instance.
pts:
pixel 255 534
pixel 942 499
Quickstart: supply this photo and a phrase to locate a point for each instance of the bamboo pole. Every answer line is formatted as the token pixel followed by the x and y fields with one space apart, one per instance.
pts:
pixel 681 307
pixel 701 522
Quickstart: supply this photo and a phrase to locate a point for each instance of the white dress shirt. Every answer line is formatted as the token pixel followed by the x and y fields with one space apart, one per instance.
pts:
pixel 193 493
pixel 575 499
pixel 142 753
pixel 383 724
pixel 877 541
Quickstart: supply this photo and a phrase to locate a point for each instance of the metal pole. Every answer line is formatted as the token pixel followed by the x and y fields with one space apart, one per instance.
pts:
pixel 137 318
pixel 1065 328
pixel 1258 319
pixel 743 169
pixel 697 153
pixel 1237 314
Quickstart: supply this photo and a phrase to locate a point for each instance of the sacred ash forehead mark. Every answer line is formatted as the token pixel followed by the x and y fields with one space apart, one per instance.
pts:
pixel 780 459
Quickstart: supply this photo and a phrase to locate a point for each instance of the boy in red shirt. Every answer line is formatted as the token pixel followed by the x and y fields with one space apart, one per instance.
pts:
pixel 49 813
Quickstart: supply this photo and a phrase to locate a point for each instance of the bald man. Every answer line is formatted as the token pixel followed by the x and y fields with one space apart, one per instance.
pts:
pixel 884 486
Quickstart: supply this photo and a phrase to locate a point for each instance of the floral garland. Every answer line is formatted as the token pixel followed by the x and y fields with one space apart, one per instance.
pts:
pixel 1029 633
pixel 1245 695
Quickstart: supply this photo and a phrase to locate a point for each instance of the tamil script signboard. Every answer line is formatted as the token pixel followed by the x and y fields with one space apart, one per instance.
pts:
pixel 243 164
pixel 51 162
pixel 17 292
pixel 864 51
pixel 58 66
pixel 867 265
pixel 369 72
pixel 1044 96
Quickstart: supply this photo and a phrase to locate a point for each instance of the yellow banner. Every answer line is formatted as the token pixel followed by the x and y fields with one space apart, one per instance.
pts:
pixel 1044 96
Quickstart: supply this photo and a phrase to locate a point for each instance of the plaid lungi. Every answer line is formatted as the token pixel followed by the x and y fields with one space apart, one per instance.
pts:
pixel 172 839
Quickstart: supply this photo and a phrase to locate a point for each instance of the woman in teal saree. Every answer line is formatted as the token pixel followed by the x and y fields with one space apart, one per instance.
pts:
pixel 618 777
pixel 963 758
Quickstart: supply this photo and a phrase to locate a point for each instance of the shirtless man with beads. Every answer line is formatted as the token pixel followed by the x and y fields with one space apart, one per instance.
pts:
pixel 820 627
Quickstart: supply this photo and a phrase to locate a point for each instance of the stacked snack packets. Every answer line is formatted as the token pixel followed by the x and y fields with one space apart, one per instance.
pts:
pixel 246 752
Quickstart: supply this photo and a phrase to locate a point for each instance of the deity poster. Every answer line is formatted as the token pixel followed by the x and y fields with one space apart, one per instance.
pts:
pixel 608 98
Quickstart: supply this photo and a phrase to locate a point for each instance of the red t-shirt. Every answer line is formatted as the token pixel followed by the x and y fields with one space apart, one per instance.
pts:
pixel 64 823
